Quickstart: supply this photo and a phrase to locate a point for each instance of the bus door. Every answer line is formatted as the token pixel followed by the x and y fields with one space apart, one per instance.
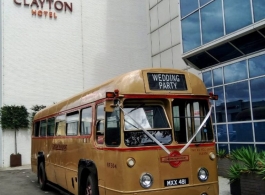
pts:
pixel 100 145
pixel 59 150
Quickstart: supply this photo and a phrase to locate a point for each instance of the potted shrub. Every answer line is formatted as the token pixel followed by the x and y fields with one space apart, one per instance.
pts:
pixel 234 178
pixel 14 118
pixel 223 163
pixel 250 180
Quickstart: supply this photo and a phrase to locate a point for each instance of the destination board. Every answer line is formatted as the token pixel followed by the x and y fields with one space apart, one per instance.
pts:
pixel 163 81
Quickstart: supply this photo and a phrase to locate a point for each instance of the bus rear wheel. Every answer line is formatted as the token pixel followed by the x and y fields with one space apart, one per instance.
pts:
pixel 91 188
pixel 42 177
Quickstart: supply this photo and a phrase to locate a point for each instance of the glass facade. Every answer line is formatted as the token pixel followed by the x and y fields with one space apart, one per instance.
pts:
pixel 239 114
pixel 203 21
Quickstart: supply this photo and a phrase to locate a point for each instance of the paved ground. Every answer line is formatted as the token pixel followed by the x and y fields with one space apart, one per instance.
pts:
pixel 21 181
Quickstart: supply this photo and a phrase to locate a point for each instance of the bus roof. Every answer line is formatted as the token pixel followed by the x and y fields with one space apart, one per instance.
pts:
pixel 144 81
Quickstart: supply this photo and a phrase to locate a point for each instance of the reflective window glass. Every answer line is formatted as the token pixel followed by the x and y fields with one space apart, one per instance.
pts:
pixel 202 60
pixel 203 2
pixel 51 126
pixel 224 52
pixel 86 121
pixel 259 131
pixel 72 120
pixel 212 21
pixel 258 98
pixel 259 7
pixel 260 147
pixel 223 147
pixel 235 72
pixel 237 101
pixel 207 78
pixel 191 32
pixel 238 146
pixel 241 132
pixel 100 124
pixel 257 66
pixel 218 76
pixel 250 43
pixel 188 6
pixel 219 105
pixel 43 126
pixel 221 133
pixel 235 18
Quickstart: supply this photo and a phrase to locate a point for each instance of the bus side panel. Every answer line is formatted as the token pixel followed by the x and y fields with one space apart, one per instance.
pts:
pixel 34 156
pixel 49 162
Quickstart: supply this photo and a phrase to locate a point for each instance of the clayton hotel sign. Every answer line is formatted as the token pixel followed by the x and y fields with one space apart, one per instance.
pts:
pixel 44 8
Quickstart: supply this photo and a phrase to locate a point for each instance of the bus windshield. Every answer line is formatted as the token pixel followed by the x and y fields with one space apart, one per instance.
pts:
pixel 187 117
pixel 151 118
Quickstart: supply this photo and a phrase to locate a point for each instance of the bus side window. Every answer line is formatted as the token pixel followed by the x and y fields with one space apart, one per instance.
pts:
pixel 86 121
pixel 50 127
pixel 60 131
pixel 36 128
pixel 113 137
pixel 72 123
pixel 100 128
pixel 43 126
pixel 60 125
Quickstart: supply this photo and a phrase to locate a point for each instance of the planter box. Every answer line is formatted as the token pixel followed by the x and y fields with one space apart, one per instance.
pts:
pixel 15 160
pixel 223 165
pixel 235 187
pixel 252 184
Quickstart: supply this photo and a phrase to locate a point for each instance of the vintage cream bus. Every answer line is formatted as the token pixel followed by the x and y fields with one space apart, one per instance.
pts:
pixel 145 132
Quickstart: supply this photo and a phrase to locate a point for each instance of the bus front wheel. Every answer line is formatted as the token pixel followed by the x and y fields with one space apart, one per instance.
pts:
pixel 91 188
pixel 42 176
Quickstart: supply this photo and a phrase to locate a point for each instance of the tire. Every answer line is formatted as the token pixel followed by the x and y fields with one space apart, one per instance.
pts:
pixel 91 187
pixel 42 177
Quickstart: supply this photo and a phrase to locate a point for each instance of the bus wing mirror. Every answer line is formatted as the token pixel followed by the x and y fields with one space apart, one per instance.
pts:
pixel 213 96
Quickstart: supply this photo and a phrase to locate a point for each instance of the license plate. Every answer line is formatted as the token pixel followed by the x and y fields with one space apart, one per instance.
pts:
pixel 176 182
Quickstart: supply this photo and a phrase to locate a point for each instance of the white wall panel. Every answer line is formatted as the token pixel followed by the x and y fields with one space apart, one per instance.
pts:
pixel 155 42
pixel 166 59
pixel 115 39
pixel 174 8
pixel 156 61
pixel 46 60
pixel 175 31
pixel 42 57
pixel 178 63
pixel 165 37
pixel 163 12
pixel 152 3
pixel 154 18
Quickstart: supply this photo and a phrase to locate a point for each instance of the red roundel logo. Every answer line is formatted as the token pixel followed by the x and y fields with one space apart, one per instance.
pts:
pixel 174 158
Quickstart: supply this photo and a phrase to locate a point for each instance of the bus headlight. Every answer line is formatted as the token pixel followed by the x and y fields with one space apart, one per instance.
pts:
pixel 146 180
pixel 203 174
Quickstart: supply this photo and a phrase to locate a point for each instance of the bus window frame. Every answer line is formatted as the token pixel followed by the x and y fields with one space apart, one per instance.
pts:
pixel 36 129
pixel 40 128
pixel 117 131
pixel 48 121
pixel 60 121
pixel 81 125
pixel 100 134
pixel 73 122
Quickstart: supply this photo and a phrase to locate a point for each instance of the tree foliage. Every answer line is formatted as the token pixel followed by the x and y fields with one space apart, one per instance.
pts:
pixel 14 117
pixel 35 109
